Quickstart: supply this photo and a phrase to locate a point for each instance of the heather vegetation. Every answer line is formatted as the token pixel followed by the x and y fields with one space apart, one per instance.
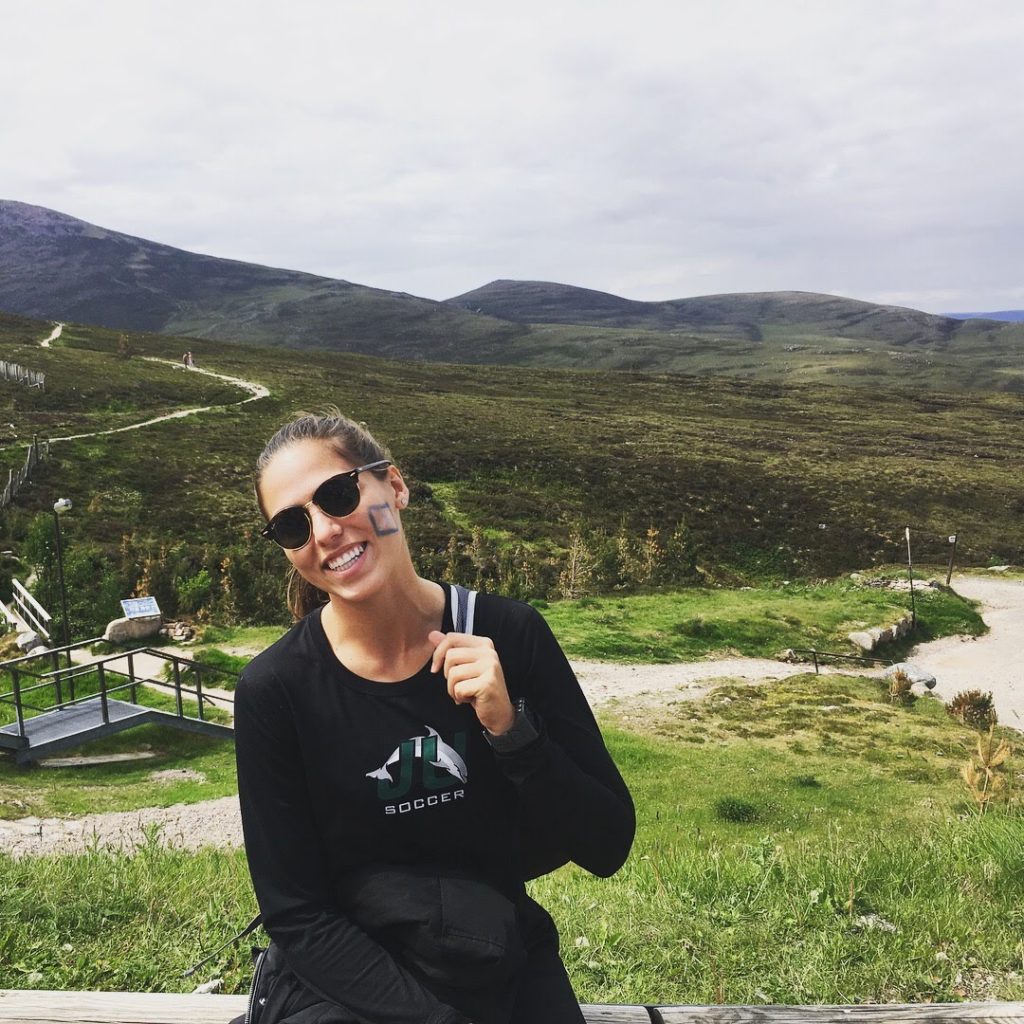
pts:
pixel 540 484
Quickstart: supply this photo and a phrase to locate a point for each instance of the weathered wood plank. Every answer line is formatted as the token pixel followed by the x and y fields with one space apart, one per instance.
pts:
pixel 40 1007
pixel 614 1014
pixel 943 1013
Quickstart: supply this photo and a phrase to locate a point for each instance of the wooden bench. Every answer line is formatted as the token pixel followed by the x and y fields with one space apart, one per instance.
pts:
pixel 40 1007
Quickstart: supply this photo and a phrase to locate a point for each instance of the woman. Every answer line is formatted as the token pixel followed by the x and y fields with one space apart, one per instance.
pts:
pixel 387 762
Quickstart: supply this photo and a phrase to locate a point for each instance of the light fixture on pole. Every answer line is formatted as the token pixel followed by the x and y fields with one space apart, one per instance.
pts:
pixel 60 506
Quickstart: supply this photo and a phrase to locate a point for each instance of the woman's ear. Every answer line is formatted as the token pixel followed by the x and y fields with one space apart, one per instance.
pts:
pixel 398 485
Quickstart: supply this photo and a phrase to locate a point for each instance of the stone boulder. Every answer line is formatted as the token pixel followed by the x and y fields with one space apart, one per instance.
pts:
pixel 862 639
pixel 120 631
pixel 29 640
pixel 921 681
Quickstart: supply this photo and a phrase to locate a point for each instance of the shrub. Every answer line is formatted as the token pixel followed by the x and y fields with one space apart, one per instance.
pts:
pixel 985 772
pixel 806 782
pixel 973 708
pixel 731 808
pixel 193 591
pixel 899 687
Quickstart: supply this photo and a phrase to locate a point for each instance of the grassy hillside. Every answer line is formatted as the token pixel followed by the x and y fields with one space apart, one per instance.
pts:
pixel 651 474
pixel 56 266
pixel 743 313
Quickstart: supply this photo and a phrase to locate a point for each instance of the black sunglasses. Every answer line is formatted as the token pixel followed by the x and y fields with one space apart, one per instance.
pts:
pixel 337 496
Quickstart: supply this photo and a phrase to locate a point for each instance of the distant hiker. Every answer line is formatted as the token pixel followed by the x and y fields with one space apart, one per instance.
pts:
pixel 186 360
pixel 409 753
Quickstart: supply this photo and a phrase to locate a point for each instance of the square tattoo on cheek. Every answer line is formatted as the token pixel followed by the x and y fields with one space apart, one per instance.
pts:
pixel 383 520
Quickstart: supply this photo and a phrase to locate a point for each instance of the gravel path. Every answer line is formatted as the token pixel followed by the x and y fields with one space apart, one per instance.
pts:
pixel 987 662
pixel 256 391
pixel 53 336
pixel 991 662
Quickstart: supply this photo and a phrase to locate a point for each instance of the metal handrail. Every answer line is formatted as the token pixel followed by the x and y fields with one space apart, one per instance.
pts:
pixel 816 654
pixel 56 677
pixel 48 653
pixel 155 652
pixel 31 707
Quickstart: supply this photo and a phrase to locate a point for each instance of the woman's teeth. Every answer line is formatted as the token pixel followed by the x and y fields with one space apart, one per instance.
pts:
pixel 347 559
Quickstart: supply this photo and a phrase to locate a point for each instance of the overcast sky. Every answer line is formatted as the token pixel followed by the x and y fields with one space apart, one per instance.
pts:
pixel 652 149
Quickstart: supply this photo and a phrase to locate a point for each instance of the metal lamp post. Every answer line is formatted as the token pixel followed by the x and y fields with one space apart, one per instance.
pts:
pixel 60 506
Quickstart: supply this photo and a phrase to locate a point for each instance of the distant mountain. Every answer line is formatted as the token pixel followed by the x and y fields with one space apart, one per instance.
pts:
pixel 1012 316
pixel 542 302
pixel 58 267
pixel 53 266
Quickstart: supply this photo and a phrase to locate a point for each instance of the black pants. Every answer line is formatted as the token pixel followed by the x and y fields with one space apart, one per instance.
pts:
pixel 543 995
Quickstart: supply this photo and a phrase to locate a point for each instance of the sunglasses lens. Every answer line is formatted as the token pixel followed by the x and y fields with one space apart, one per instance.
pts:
pixel 338 496
pixel 290 527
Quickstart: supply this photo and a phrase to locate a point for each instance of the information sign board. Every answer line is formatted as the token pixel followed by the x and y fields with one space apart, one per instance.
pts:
pixel 140 607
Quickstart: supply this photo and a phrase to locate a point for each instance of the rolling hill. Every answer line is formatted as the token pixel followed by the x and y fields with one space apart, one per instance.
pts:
pixel 747 313
pixel 58 267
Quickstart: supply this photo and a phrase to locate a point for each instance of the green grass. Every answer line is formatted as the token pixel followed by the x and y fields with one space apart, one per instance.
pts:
pixel 121 785
pixel 240 639
pixel 229 666
pixel 696 623
pixel 759 622
pixel 856 810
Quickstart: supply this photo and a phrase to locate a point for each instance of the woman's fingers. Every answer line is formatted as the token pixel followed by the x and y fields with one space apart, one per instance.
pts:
pixel 473 675
pixel 446 643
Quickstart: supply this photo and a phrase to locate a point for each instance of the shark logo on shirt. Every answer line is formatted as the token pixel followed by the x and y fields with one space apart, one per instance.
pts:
pixel 442 764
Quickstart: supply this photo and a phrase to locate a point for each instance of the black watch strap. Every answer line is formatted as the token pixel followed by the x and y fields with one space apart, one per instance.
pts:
pixel 522 732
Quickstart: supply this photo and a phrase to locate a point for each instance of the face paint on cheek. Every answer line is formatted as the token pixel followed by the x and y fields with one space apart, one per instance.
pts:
pixel 383 520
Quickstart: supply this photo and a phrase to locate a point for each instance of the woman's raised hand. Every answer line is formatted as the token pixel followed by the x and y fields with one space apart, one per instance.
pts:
pixel 474 676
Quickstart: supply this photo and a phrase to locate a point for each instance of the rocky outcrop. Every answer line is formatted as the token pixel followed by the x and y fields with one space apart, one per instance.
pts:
pixel 868 639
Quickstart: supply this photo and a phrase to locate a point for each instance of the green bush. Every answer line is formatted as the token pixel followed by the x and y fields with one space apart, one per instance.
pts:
pixel 193 591
pixel 731 808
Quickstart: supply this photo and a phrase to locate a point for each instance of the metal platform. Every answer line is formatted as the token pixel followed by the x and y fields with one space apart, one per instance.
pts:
pixel 70 722
pixel 72 726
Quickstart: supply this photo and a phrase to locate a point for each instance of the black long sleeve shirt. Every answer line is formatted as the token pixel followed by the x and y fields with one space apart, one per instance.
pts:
pixel 337 772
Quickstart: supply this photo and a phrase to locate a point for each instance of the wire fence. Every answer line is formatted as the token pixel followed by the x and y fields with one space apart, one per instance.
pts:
pixel 22 375
pixel 37 451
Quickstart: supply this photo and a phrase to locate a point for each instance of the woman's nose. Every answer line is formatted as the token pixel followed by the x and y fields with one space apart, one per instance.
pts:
pixel 323 525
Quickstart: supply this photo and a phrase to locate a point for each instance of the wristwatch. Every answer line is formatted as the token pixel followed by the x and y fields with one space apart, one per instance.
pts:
pixel 524 730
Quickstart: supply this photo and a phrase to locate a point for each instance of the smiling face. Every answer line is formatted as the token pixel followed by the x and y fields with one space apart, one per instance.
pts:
pixel 353 557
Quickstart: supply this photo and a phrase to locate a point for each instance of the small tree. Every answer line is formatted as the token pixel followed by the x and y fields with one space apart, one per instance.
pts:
pixel 574 579
pixel 986 770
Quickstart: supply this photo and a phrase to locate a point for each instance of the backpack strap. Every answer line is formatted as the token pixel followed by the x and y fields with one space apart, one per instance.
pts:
pixel 463 608
pixel 250 927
